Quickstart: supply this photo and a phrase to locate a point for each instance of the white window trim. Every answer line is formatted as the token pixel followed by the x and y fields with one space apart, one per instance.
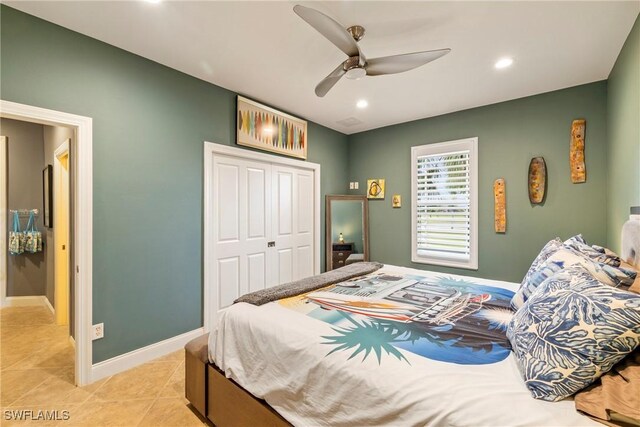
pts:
pixel 470 144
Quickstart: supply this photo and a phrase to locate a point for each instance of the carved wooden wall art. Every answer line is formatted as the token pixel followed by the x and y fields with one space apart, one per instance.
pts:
pixel 537 180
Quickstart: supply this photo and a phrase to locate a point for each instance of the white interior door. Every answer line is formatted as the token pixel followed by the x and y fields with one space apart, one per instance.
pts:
pixel 293 221
pixel 242 205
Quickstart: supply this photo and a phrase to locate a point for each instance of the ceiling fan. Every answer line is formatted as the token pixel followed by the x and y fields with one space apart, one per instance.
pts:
pixel 357 66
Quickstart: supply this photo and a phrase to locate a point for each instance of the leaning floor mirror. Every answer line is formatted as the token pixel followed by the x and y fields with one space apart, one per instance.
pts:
pixel 347 230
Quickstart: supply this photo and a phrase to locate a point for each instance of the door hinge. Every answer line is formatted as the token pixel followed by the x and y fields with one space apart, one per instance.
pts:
pixel 271 244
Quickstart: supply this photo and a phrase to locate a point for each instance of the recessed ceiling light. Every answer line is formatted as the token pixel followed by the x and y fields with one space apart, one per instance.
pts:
pixel 153 1
pixel 504 63
pixel 362 103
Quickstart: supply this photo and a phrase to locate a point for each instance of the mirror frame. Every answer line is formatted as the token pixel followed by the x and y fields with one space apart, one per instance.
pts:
pixel 327 235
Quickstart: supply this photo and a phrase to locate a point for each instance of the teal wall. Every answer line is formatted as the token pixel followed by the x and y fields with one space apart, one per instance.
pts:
pixel 623 134
pixel 509 135
pixel 149 122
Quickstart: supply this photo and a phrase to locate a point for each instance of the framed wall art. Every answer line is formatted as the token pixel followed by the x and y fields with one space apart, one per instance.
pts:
pixel 47 196
pixel 375 188
pixel 267 129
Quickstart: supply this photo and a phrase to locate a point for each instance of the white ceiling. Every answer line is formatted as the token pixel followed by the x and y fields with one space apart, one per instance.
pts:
pixel 265 51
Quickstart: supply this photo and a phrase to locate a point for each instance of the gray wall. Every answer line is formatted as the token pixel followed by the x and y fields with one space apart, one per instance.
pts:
pixel 149 124
pixel 509 135
pixel 623 134
pixel 26 273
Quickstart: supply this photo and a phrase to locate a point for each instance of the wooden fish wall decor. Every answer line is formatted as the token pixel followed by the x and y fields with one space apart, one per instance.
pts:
pixel 500 205
pixel 537 180
pixel 576 152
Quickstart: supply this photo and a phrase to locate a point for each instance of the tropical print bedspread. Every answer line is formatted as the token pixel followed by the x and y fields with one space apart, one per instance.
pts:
pixel 398 347
pixel 441 317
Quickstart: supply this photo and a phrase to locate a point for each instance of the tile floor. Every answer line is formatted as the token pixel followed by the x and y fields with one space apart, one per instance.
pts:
pixel 36 373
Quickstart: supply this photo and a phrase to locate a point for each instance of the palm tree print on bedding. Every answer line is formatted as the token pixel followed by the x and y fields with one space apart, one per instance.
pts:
pixel 440 318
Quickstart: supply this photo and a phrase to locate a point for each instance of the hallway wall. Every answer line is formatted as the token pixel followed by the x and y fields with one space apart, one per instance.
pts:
pixel 26 273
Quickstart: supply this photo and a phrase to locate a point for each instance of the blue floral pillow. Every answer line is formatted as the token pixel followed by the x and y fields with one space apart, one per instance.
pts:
pixel 549 249
pixel 596 253
pixel 571 330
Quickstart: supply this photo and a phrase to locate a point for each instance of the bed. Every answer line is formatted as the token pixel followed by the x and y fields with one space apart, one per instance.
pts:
pixel 396 347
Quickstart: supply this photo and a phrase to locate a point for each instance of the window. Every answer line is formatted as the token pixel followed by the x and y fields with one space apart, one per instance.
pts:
pixel 444 204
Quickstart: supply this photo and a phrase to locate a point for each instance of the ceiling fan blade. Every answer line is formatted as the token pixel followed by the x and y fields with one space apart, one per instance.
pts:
pixel 401 63
pixel 329 28
pixel 325 85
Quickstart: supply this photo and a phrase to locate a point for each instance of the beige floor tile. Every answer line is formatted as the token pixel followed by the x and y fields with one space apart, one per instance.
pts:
pixel 57 356
pixel 176 355
pixel 175 385
pixel 170 413
pixel 59 389
pixel 143 382
pixel 18 382
pixel 112 414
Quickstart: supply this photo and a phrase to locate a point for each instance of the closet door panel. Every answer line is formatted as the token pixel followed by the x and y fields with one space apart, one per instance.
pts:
pixel 257 212
pixel 285 266
pixel 242 205
pixel 257 271
pixel 229 275
pixel 228 184
pixel 293 223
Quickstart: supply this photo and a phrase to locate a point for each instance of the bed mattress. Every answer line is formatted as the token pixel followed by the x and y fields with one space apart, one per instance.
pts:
pixel 397 347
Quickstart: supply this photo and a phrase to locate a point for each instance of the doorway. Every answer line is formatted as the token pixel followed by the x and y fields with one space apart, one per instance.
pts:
pixel 79 235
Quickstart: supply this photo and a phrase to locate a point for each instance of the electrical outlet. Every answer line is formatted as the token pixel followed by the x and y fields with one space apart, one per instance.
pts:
pixel 356 184
pixel 98 331
pixel 352 185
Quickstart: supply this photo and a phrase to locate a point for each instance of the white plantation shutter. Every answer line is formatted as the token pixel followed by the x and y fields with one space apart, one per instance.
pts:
pixel 444 203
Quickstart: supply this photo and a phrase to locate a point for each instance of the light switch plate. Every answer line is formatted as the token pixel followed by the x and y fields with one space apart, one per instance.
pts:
pixel 356 184
pixel 352 185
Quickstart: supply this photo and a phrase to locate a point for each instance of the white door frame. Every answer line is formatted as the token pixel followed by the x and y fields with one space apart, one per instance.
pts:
pixel 61 151
pixel 3 220
pixel 210 150
pixel 82 192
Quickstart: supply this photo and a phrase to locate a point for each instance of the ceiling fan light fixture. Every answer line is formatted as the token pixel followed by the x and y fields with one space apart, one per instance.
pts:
pixel 504 63
pixel 355 73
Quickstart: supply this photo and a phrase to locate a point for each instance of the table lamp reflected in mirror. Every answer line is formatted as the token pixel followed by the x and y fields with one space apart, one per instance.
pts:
pixel 341 238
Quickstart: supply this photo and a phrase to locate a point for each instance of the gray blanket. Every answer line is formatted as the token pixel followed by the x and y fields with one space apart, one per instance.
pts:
pixel 309 284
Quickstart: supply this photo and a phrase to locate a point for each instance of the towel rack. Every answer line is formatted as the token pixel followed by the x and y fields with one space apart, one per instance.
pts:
pixel 24 212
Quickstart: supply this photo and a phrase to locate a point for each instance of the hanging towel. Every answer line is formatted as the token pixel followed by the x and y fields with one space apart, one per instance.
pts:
pixel 33 238
pixel 16 237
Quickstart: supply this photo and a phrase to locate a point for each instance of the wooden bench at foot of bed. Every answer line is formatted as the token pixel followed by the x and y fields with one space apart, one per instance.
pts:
pixel 219 398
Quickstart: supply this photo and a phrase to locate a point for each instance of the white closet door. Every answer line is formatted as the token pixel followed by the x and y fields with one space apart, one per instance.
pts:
pixel 292 223
pixel 242 226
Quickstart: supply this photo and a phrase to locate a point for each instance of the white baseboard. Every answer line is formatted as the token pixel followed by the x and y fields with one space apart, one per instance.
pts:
pixel 142 355
pixel 26 301
pixel 49 306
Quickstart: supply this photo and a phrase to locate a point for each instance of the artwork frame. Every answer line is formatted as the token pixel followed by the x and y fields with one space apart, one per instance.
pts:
pixel 256 126
pixel 375 188
pixel 47 196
